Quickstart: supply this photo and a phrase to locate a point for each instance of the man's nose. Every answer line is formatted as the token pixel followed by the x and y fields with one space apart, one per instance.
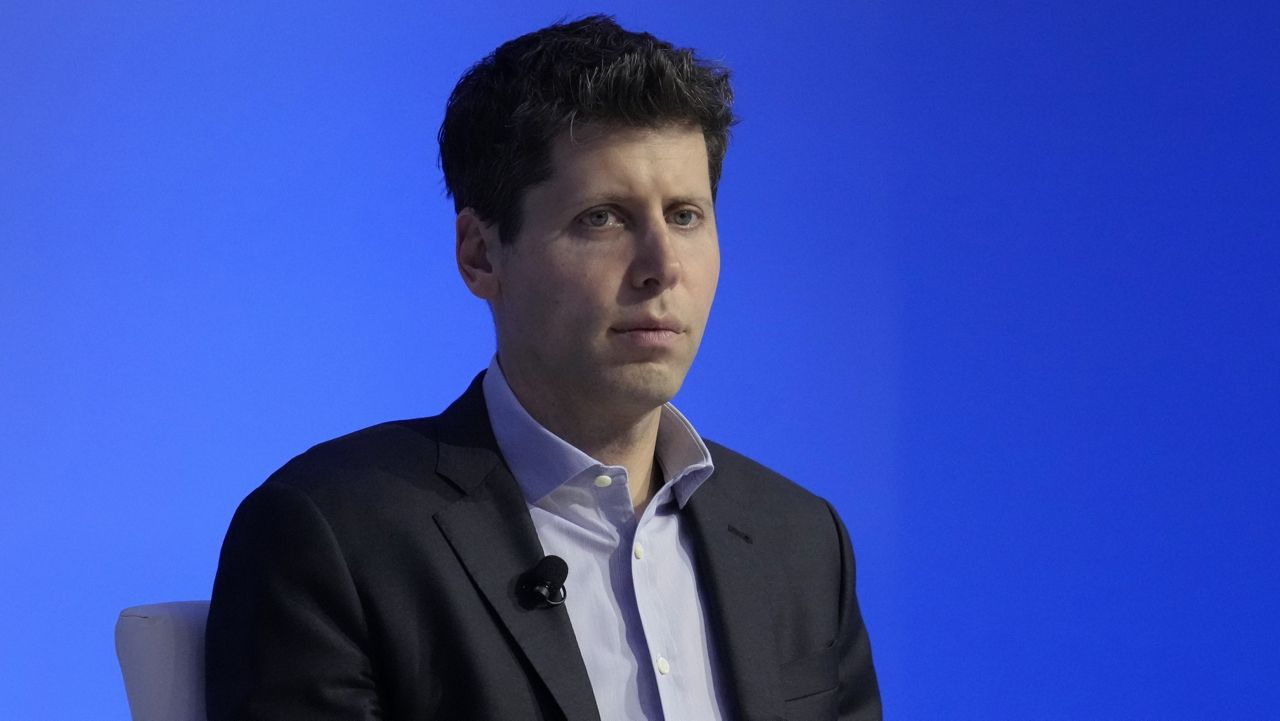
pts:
pixel 657 259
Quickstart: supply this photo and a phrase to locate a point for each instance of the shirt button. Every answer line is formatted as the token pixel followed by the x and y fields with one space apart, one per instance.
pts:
pixel 603 481
pixel 664 668
pixel 638 551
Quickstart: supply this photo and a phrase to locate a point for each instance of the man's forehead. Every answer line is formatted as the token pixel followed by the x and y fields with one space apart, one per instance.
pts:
pixel 581 177
pixel 582 149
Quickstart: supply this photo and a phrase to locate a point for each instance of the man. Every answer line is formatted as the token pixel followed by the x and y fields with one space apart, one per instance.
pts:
pixel 399 573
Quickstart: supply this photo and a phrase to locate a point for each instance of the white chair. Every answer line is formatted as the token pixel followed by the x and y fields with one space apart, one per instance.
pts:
pixel 161 652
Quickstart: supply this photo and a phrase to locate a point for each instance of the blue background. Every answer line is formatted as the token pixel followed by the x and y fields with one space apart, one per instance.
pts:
pixel 1000 279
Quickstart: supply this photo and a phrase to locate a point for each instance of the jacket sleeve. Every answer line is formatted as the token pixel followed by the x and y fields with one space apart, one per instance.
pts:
pixel 859 690
pixel 286 637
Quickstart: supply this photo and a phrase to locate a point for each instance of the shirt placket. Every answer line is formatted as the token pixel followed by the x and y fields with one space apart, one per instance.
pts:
pixel 664 657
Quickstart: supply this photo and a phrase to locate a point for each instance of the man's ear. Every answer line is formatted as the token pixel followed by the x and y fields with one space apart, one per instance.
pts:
pixel 476 249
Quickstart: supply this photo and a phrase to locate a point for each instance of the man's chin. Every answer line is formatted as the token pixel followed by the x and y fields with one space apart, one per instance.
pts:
pixel 645 385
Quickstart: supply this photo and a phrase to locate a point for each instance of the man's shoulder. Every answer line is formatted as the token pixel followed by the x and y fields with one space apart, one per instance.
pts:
pixel 394 459
pixel 396 447
pixel 762 487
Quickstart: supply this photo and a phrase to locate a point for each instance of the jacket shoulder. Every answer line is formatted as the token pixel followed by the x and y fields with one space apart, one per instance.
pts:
pixel 387 460
pixel 395 447
pixel 761 486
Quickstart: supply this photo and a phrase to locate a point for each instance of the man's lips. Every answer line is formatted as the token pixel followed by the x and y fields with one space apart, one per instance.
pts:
pixel 648 333
pixel 649 325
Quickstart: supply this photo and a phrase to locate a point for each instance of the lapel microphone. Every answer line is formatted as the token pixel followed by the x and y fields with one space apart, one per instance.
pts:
pixel 543 586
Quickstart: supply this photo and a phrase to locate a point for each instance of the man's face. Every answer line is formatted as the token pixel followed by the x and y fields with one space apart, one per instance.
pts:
pixel 605 293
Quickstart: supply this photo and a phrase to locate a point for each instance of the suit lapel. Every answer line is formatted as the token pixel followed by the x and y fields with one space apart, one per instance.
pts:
pixel 493 536
pixel 731 566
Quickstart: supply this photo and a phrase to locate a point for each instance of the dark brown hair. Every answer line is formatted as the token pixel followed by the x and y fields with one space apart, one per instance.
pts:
pixel 503 114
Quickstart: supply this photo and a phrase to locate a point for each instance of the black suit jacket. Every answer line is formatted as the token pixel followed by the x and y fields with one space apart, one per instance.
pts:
pixel 374 577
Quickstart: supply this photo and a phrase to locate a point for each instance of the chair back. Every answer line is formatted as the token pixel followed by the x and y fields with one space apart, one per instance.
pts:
pixel 161 652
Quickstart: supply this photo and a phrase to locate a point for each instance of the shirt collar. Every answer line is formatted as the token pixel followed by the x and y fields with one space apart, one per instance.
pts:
pixel 542 462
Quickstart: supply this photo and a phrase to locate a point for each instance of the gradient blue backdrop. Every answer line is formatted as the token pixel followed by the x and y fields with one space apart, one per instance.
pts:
pixel 1000 279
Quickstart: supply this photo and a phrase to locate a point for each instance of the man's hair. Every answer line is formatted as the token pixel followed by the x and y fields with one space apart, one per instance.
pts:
pixel 495 141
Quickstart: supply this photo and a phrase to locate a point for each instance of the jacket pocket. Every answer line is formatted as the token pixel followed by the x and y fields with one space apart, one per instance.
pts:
pixel 810 675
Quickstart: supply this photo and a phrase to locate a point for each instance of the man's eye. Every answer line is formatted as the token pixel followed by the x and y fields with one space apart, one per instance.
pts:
pixel 684 218
pixel 602 218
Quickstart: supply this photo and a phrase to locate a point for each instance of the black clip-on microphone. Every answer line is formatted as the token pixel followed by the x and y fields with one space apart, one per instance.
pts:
pixel 543 587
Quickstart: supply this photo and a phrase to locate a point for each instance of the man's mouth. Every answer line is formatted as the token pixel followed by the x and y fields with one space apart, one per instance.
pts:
pixel 650 333
pixel 646 325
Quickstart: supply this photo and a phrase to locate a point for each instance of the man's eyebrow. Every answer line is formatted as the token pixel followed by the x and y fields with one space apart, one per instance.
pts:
pixel 623 199
pixel 698 200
